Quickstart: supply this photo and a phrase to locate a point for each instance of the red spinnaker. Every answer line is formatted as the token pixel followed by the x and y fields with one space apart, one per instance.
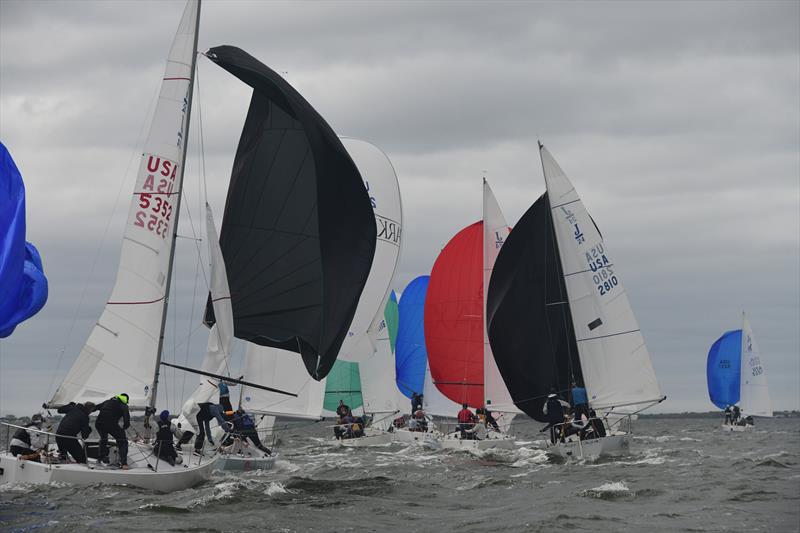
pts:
pixel 454 318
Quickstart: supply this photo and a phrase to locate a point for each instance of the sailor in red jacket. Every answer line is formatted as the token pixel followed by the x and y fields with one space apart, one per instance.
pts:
pixel 466 420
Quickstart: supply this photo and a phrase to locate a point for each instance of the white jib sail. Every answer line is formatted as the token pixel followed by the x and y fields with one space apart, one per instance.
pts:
pixel 434 402
pixel 616 365
pixel 495 232
pixel 280 369
pixel 121 352
pixel 754 396
pixel 218 349
pixel 384 192
pixel 378 386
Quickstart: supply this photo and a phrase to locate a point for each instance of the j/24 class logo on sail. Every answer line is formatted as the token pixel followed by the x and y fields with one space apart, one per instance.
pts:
pixel 155 208
pixel 603 276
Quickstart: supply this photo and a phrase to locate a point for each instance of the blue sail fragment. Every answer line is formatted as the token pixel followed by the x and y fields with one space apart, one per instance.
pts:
pixel 23 285
pixel 411 356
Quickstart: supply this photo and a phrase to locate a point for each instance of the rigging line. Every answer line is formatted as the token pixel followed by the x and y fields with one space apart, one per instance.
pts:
pixel 139 141
pixel 606 336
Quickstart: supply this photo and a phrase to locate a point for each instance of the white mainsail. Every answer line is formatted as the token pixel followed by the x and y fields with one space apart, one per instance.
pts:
pixel 754 396
pixel 384 192
pixel 282 370
pixel 495 232
pixel 218 349
pixel 616 365
pixel 121 353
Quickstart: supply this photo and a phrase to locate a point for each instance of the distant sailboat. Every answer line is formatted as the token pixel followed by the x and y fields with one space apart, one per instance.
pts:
pixel 459 354
pixel 737 379
pixel 558 313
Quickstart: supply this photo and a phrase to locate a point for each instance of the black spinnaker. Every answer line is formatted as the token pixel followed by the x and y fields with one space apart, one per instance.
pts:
pixel 298 234
pixel 528 317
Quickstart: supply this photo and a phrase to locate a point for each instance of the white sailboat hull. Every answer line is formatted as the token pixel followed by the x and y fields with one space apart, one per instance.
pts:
pixel 453 441
pixel 378 439
pixel 610 445
pixel 166 479
pixel 245 463
pixel 423 438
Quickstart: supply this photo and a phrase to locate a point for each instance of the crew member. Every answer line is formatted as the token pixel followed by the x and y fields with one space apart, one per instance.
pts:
pixel 164 447
pixel 74 423
pixel 580 401
pixel 107 423
pixel 25 446
pixel 466 420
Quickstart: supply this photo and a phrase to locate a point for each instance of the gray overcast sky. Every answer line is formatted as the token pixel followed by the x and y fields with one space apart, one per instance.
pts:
pixel 678 122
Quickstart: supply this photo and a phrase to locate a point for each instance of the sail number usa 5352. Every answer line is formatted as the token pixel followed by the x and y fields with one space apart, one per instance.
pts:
pixel 155 206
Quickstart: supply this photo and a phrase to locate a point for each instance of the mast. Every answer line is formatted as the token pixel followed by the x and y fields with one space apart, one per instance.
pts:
pixel 156 370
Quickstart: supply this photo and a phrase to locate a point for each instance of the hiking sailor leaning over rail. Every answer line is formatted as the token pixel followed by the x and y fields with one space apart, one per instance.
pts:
pixel 75 421
pixel 26 446
pixel 245 427
pixel 107 423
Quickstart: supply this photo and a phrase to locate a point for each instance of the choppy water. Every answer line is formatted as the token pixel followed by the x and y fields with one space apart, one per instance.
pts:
pixel 682 475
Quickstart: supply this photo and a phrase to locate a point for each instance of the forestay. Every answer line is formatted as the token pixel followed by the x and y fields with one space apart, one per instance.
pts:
pixel 755 399
pixel 614 359
pixel 122 349
pixel 380 181
pixel 218 349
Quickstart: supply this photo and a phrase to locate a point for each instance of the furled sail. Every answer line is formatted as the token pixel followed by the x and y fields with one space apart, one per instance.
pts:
pixel 411 357
pixel 755 399
pixel 454 318
pixel 723 369
pixel 616 365
pixel 495 232
pixel 529 324
pixel 380 181
pixel 299 232
pixel 122 350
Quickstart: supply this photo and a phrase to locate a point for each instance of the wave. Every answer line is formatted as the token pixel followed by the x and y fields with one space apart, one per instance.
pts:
pixel 613 490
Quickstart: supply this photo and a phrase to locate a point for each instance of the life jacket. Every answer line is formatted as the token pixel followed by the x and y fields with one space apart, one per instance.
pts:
pixel 247 422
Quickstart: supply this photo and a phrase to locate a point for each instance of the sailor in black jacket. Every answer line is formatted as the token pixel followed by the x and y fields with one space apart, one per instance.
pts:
pixel 75 421
pixel 107 423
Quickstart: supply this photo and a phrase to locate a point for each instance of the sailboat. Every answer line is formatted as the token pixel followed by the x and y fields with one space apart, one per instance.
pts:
pixel 558 313
pixel 276 368
pixel 411 366
pixel 736 376
pixel 297 244
pixel 459 353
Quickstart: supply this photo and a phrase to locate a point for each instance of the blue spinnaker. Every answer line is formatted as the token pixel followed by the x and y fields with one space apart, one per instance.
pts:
pixel 723 369
pixel 23 286
pixel 411 357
